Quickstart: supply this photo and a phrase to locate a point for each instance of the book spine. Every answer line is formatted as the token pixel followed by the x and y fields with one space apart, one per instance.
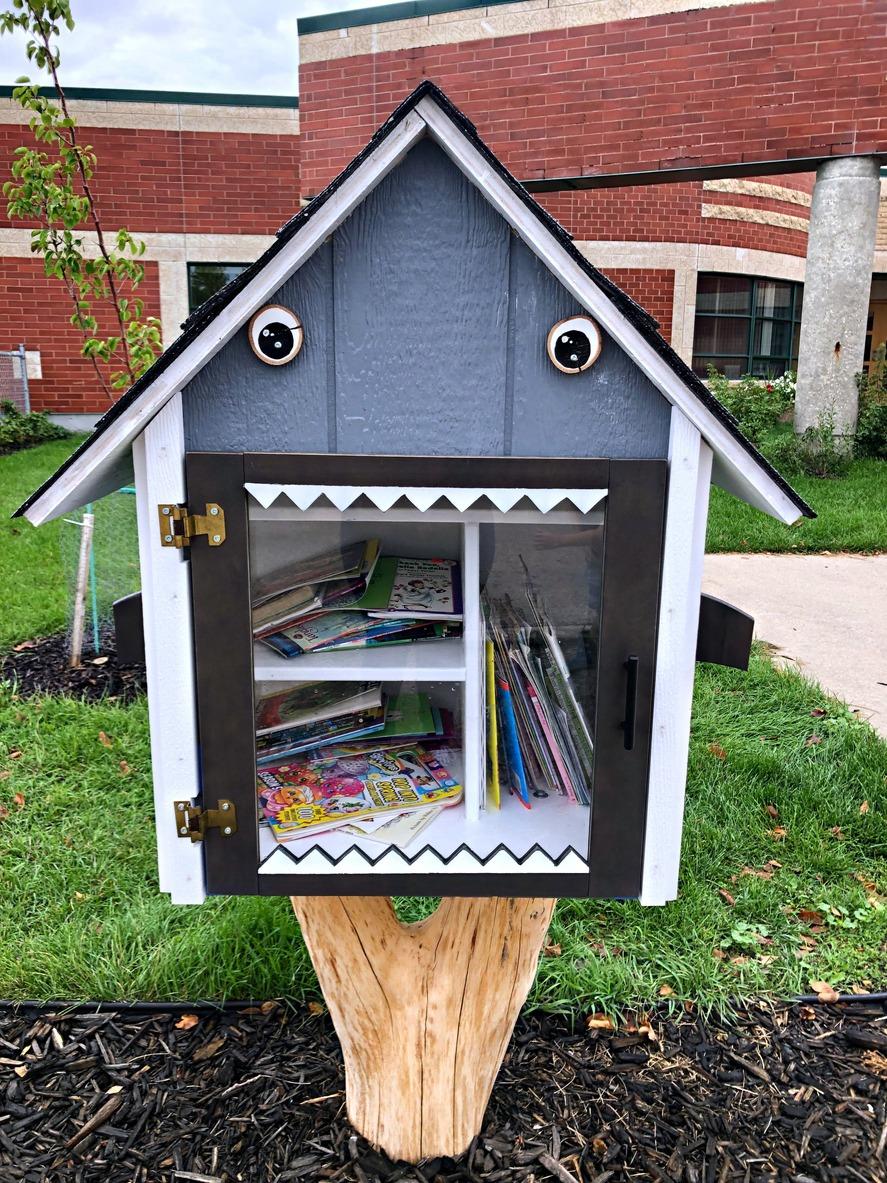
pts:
pixel 512 743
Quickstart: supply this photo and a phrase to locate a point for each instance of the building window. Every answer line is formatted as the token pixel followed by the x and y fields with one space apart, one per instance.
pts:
pixel 746 325
pixel 205 279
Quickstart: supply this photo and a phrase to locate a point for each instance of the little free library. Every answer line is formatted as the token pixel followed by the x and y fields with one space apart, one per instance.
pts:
pixel 422 501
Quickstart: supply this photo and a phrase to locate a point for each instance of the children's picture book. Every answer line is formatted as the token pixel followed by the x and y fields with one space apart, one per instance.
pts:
pixel 359 725
pixel 319 791
pixel 400 829
pixel 395 632
pixel 427 588
pixel 280 610
pixel 494 789
pixel 547 740
pixel 327 629
pixel 308 702
pixel 354 560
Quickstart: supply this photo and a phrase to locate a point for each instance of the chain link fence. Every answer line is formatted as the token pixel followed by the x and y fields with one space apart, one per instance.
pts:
pixel 14 378
pixel 100 556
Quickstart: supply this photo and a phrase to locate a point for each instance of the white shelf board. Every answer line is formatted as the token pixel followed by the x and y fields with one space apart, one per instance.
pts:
pixel 415 661
pixel 554 824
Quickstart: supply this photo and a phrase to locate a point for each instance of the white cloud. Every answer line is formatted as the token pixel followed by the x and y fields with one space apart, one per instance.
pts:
pixel 196 45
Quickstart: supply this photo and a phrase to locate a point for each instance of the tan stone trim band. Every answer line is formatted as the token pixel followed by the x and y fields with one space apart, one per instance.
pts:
pixel 478 24
pixel 763 217
pixel 170 252
pixel 269 121
pixel 191 248
pixel 687 260
pixel 759 189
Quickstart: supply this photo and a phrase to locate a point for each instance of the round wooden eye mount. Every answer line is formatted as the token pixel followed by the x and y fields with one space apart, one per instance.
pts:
pixel 591 330
pixel 296 329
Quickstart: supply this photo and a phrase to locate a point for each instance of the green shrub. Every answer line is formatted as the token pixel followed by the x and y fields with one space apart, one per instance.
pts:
pixel 871 425
pixel 23 431
pixel 755 403
pixel 819 451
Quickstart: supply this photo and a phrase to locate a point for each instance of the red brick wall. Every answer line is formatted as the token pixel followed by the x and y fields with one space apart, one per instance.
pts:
pixel 789 78
pixel 36 311
pixel 148 181
pixel 195 182
pixel 653 289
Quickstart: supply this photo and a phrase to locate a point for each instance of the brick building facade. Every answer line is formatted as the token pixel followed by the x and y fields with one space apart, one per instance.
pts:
pixel 202 179
pixel 562 89
pixel 557 89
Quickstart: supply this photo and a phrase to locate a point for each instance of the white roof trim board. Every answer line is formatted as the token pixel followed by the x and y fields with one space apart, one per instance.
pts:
pixel 384 497
pixel 99 466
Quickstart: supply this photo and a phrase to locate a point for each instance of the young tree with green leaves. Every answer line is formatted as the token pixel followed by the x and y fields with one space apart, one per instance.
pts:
pixel 54 189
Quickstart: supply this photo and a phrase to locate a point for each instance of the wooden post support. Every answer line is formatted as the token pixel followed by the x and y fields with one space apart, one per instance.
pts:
pixel 424 1012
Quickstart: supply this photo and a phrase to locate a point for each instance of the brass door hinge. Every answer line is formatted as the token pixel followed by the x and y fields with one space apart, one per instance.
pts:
pixel 192 821
pixel 178 526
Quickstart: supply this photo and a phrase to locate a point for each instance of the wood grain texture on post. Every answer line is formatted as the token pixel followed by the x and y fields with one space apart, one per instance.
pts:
pixel 424 1011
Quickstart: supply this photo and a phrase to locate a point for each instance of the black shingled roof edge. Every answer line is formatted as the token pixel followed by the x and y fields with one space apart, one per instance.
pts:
pixel 636 315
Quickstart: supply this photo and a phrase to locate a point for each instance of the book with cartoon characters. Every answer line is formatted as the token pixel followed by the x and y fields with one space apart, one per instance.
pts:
pixel 430 589
pixel 317 791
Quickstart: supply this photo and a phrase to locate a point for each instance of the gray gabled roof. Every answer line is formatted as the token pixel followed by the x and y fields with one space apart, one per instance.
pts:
pixel 204 316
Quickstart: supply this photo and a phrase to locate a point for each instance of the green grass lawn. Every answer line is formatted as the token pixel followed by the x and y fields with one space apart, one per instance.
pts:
pixel 33 594
pixel 784 871
pixel 852 516
pixel 81 916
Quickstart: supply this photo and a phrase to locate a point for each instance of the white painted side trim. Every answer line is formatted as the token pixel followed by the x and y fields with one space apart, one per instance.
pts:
pixel 686 516
pixel 83 480
pixel 169 649
pixel 474 761
pixel 738 471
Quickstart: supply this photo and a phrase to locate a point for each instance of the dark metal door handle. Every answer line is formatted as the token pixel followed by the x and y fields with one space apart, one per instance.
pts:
pixel 631 701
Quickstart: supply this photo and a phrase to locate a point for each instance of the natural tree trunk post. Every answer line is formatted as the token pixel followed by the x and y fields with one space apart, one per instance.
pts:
pixel 423 1011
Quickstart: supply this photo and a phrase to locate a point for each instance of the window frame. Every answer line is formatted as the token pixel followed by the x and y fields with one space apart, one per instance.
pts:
pixel 750 357
pixel 191 264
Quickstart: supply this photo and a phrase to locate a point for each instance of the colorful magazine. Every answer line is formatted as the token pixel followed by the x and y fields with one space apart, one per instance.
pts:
pixel 308 702
pixel 319 791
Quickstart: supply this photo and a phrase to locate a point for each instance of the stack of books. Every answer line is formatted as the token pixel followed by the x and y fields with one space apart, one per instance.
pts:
pixel 349 756
pixel 351 598
pixel 539 740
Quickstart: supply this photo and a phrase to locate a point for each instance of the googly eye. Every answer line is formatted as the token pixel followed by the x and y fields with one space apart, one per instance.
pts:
pixel 275 335
pixel 574 344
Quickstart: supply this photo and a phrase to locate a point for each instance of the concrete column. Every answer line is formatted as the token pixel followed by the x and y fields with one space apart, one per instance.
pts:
pixel 840 252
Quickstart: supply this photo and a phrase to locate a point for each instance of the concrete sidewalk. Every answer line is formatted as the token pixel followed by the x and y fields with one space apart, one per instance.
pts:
pixel 826 614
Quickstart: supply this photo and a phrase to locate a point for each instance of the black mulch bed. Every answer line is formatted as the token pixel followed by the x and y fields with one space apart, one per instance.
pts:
pixel 795 1093
pixel 41 667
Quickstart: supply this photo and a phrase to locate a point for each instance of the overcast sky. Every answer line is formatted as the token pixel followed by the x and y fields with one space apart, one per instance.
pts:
pixel 207 45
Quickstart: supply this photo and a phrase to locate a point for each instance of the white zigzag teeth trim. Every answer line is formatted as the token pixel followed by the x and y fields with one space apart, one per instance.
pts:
pixel 393 861
pixel 383 497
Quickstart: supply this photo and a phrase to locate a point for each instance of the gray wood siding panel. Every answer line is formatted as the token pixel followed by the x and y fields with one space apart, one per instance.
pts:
pixel 611 409
pixel 239 404
pixel 421 278
pixel 425 324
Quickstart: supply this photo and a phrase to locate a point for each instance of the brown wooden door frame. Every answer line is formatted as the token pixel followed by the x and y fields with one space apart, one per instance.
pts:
pixel 220 581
